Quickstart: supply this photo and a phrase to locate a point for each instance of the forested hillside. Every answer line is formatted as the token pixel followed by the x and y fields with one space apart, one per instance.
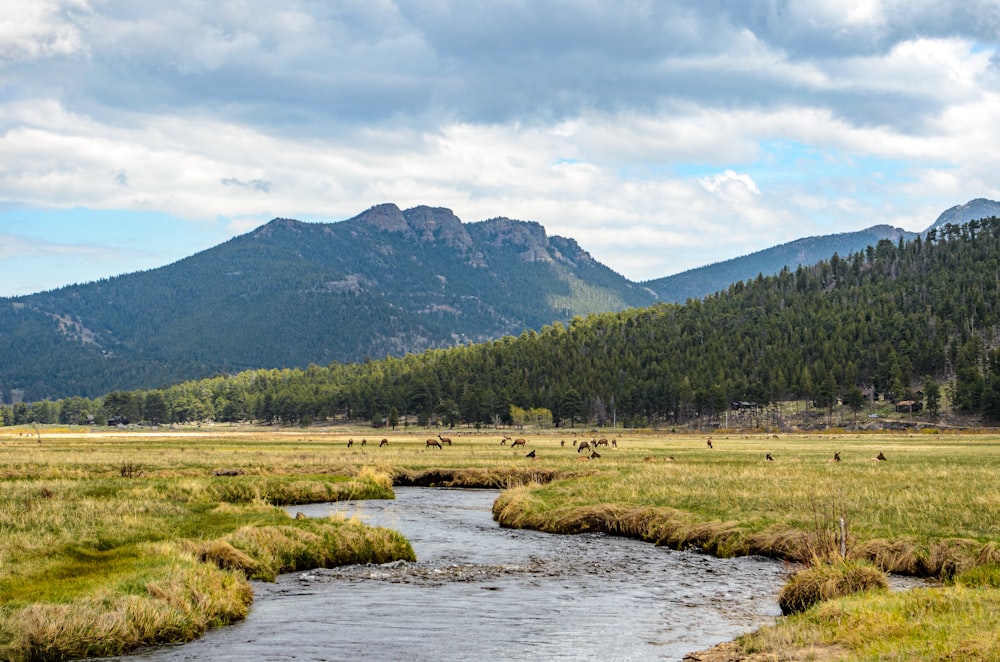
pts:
pixel 891 318
pixel 386 282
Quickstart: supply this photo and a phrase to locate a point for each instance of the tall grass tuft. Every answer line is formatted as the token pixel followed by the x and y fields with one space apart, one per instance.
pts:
pixel 315 544
pixel 824 581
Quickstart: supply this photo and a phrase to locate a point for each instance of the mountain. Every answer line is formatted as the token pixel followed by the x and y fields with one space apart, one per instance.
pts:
pixel 387 282
pixel 970 211
pixel 893 321
pixel 702 281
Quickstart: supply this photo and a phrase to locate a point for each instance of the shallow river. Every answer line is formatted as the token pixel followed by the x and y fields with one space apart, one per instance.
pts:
pixel 479 592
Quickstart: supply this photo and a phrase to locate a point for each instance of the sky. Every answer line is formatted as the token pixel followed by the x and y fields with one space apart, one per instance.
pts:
pixel 662 135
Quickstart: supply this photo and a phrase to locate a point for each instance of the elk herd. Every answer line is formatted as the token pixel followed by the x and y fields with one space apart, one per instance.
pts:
pixel 590 447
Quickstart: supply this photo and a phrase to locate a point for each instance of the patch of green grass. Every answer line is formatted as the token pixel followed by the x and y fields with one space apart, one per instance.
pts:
pixel 947 623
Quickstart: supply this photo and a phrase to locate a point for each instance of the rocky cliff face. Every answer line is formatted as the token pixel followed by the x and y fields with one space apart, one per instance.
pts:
pixel 527 237
pixel 422 223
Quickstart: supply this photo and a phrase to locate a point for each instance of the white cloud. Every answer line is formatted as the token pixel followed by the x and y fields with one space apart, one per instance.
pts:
pixel 40 28
pixel 660 135
pixel 723 184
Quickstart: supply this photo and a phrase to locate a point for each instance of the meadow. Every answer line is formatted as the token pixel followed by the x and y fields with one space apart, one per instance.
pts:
pixel 113 539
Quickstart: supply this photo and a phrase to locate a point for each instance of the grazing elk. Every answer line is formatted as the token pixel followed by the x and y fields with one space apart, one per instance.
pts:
pixel 601 442
pixel 583 446
pixel 350 442
pixel 503 442
pixel 445 440
pixel 384 442
pixel 364 442
pixel 433 442
pixel 518 442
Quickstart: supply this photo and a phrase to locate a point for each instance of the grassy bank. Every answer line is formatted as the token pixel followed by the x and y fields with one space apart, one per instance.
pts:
pixel 137 504
pixel 100 557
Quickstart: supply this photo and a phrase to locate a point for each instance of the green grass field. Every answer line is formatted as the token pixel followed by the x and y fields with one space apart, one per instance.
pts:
pixel 124 538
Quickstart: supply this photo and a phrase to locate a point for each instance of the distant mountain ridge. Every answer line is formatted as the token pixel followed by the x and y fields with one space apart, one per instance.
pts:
pixel 971 210
pixel 386 282
pixel 702 281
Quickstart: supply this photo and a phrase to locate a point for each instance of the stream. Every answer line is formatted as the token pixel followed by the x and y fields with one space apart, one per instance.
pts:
pixel 479 591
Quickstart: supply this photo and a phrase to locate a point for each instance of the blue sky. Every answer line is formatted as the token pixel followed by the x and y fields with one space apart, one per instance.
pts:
pixel 660 135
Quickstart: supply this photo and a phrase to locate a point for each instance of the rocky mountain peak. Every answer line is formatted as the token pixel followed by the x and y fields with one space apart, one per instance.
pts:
pixel 386 217
pixel 438 224
pixel 970 211
pixel 433 224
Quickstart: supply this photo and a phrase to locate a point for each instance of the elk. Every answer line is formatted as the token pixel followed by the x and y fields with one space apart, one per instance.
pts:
pixel 518 442
pixel 602 442
pixel 769 458
pixel 364 442
pixel 433 442
pixel 503 442
pixel 583 446
pixel 531 454
pixel 835 458
pixel 384 442
pixel 350 442
pixel 445 440
pixel 709 442
pixel 594 455
pixel 880 457
pixel 562 442
pixel 614 443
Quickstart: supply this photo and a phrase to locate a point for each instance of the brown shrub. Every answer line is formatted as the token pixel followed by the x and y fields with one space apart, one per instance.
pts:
pixel 227 557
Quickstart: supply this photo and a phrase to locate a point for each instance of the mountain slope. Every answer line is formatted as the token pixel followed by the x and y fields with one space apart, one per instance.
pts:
pixel 291 293
pixel 700 282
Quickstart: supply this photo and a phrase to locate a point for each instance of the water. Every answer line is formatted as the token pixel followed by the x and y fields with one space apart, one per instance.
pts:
pixel 482 592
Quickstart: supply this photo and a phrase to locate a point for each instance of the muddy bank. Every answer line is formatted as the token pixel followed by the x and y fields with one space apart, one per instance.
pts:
pixel 498 478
